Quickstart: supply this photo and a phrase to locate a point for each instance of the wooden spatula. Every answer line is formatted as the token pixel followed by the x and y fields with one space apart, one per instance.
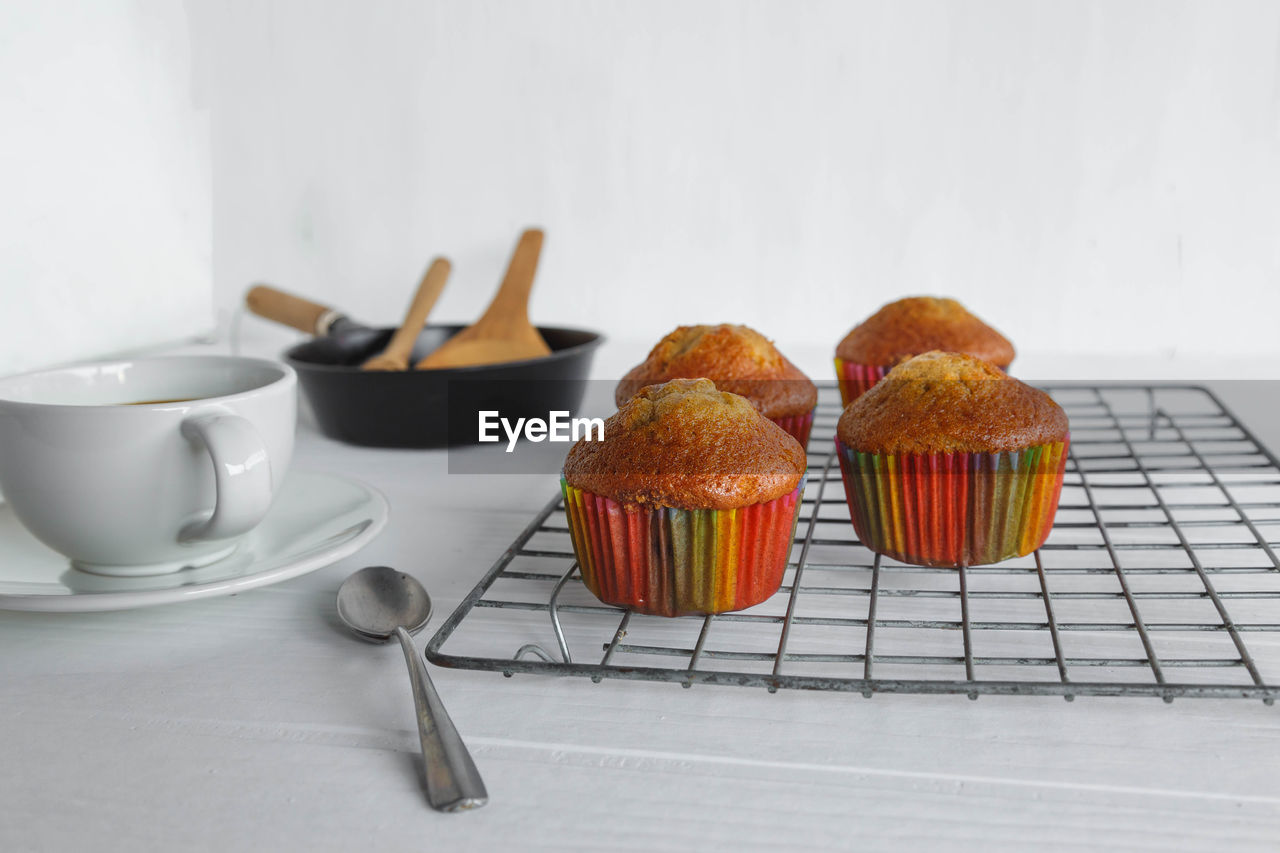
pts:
pixel 396 355
pixel 504 332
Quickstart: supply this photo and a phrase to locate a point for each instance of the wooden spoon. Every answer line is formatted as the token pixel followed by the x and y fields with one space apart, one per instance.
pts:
pixel 396 355
pixel 504 332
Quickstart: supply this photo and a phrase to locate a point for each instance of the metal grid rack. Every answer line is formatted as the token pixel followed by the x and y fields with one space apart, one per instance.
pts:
pixel 1160 578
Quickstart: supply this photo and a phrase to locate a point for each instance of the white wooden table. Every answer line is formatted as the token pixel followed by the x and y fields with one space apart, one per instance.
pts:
pixel 254 722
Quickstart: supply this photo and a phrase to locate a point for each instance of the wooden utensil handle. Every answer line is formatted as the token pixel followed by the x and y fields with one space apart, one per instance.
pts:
pixel 510 304
pixel 423 301
pixel 290 310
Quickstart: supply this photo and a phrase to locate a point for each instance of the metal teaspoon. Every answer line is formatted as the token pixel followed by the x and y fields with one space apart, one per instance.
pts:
pixel 379 603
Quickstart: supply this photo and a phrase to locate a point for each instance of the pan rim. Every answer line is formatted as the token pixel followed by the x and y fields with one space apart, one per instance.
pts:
pixel 596 339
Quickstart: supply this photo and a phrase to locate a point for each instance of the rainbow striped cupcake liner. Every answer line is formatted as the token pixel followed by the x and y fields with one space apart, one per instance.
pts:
pixel 798 426
pixel 672 562
pixel 856 379
pixel 954 509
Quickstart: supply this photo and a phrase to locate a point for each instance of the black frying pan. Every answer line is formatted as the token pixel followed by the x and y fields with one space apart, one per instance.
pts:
pixel 419 408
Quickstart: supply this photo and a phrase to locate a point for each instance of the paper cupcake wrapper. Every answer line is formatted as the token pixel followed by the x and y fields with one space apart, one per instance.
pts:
pixel 856 379
pixel 672 562
pixel 798 426
pixel 954 509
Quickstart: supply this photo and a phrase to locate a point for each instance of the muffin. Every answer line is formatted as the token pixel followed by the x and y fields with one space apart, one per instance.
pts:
pixel 739 360
pixel 948 461
pixel 687 505
pixel 909 327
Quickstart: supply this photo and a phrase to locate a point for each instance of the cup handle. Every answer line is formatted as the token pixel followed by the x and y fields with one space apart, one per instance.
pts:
pixel 241 472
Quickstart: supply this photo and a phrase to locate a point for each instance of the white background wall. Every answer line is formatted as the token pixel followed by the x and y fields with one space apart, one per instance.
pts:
pixel 105 205
pixel 1092 177
pixel 1089 176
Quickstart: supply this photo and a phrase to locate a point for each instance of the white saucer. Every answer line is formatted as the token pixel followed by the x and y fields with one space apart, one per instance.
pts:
pixel 317 519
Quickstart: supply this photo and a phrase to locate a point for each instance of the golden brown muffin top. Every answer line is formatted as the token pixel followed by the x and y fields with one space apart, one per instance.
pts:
pixel 686 444
pixel 943 402
pixel 738 359
pixel 919 324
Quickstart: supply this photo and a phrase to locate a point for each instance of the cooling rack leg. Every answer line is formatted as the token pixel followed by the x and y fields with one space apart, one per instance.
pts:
pixel 554 609
pixel 868 656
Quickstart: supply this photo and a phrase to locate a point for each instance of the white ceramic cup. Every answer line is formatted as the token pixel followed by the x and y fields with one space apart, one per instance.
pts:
pixel 150 465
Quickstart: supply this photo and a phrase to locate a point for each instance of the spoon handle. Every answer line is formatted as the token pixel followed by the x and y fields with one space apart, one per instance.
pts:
pixel 396 355
pixel 453 782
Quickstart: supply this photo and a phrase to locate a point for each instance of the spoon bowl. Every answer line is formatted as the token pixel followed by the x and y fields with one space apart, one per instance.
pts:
pixel 376 600
pixel 378 603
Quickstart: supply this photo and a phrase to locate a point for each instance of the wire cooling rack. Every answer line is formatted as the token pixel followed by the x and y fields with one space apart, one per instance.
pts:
pixel 1160 578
